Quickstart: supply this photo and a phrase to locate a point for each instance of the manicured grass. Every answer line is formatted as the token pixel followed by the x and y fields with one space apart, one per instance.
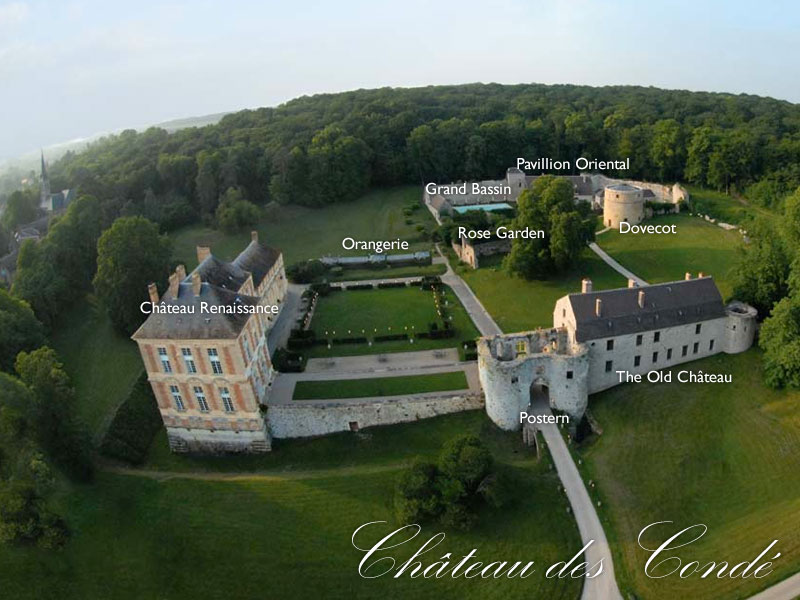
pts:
pixel 304 233
pixel 726 455
pixel 696 246
pixel 386 273
pixel 519 305
pixel 288 534
pixel 389 311
pixel 102 364
pixel 380 386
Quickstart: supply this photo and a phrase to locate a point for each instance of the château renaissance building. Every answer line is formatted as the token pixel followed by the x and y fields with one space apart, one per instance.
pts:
pixel 205 349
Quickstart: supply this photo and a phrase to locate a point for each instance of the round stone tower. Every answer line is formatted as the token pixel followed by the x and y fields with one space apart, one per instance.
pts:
pixel 622 202
pixel 740 327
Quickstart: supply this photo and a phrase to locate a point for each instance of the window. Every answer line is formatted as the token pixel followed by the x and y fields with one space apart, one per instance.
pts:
pixel 216 365
pixel 655 357
pixel 609 366
pixel 162 354
pixel 521 347
pixel 176 396
pixel 639 340
pixel 247 353
pixel 696 347
pixel 200 396
pixel 657 336
pixel 684 350
pixel 609 344
pixel 669 353
pixel 188 360
pixel 563 312
pixel 227 402
pixel 569 374
pixel 637 360
pixel 697 328
pixel 711 344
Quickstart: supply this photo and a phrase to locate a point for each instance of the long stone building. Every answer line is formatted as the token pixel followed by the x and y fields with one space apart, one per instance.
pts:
pixel 206 352
pixel 595 334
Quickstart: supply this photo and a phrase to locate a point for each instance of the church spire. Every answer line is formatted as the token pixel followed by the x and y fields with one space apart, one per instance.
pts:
pixel 44 195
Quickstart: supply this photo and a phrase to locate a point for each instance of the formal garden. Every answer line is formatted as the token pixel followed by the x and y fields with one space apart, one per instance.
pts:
pixel 380 386
pixel 382 318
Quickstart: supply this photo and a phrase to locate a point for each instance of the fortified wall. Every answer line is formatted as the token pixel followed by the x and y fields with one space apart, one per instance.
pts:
pixel 508 365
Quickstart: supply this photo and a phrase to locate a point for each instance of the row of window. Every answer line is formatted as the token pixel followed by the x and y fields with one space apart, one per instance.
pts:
pixel 637 360
pixel 656 337
pixel 200 398
pixel 188 360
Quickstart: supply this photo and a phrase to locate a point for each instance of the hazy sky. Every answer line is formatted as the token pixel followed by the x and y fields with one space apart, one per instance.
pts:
pixel 71 69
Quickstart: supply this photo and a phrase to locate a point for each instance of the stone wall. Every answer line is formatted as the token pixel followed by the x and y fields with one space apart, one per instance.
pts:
pixel 310 418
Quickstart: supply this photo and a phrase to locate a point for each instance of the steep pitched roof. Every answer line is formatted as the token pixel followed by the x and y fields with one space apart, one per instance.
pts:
pixel 665 305
pixel 197 325
pixel 257 259
pixel 219 273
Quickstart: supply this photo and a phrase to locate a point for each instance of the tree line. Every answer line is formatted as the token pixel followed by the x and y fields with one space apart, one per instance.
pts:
pixel 329 148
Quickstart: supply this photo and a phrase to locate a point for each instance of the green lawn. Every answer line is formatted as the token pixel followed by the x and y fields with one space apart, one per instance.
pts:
pixel 287 534
pixel 720 206
pixel 387 272
pixel 359 313
pixel 697 246
pixel 303 233
pixel 519 305
pixel 380 386
pixel 726 455
pixel 102 364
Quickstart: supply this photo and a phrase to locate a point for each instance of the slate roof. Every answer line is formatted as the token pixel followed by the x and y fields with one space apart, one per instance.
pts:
pixel 220 273
pixel 256 259
pixel 198 325
pixel 666 305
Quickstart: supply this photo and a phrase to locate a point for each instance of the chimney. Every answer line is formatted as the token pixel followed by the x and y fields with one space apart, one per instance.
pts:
pixel 181 271
pixel 688 276
pixel 641 298
pixel 173 285
pixel 598 307
pixel 254 236
pixel 632 283
pixel 586 285
pixel 700 275
pixel 203 252
pixel 196 283
pixel 153 291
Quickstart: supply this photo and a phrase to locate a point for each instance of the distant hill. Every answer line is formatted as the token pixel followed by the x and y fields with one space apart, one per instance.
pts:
pixel 16 169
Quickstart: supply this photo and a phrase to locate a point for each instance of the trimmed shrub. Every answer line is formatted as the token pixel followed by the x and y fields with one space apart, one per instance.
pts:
pixel 323 289
pixel 134 426
pixel 287 361
pixel 349 340
pixel 306 272
pixel 360 286
pixel 393 337
pixel 392 284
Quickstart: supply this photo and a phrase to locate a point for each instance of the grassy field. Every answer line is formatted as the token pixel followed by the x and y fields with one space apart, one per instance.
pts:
pixel 697 246
pixel 726 455
pixel 725 208
pixel 287 533
pixel 389 310
pixel 303 233
pixel 103 364
pixel 380 386
pixel 519 305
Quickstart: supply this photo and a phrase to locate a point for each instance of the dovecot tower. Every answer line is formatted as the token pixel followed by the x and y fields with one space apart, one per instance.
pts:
pixel 622 202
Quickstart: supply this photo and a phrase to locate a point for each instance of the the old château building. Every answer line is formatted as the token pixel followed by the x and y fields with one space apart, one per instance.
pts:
pixel 597 334
pixel 206 352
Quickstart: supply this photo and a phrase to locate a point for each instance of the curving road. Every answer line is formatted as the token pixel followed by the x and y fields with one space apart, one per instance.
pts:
pixel 603 587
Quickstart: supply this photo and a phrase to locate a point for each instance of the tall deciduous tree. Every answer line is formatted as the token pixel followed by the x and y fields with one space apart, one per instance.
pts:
pixel 549 206
pixel 19 329
pixel 130 255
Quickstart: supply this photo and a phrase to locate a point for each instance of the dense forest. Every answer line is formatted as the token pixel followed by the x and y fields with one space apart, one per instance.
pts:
pixel 331 147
